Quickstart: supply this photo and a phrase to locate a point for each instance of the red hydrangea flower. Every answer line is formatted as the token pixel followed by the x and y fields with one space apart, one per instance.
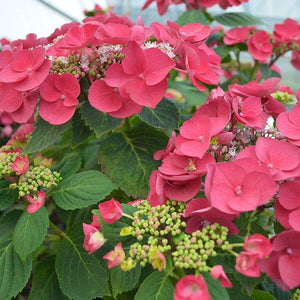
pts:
pixel 190 34
pixel 27 70
pixel 35 205
pixel 217 272
pixel 114 101
pixel 194 137
pixel 246 264
pixel 121 34
pixel 115 257
pixel 58 98
pixel 287 32
pixel 22 134
pixel 179 188
pixel 111 211
pixel 238 186
pixel 287 208
pixel 191 287
pixel 219 112
pixel 249 111
pixel 258 244
pixel 289 124
pixel 21 165
pixel 237 35
pixel 283 264
pixel 260 46
pixel 256 89
pixel 142 74
pixel 202 63
pixel 280 157
pixel 93 238
pixel 199 212
pixel 20 105
pixel 77 37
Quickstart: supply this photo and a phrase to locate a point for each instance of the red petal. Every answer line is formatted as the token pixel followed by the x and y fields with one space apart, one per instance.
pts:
pixel 135 61
pixel 35 78
pixel 104 97
pixel 55 112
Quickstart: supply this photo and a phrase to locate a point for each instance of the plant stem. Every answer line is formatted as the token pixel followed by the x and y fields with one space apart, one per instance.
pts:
pixel 127 216
pixel 60 233
pixel 232 252
pixel 254 71
pixel 237 245
pixel 180 272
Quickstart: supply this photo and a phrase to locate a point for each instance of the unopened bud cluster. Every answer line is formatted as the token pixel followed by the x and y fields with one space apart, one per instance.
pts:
pixel 243 137
pixel 6 161
pixel 284 97
pixel 92 64
pixel 160 231
pixel 193 251
pixel 296 295
pixel 35 179
pixel 38 176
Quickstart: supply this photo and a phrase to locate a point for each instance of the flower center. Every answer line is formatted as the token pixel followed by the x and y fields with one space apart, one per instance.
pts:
pixel 194 287
pixel 238 190
pixel 190 167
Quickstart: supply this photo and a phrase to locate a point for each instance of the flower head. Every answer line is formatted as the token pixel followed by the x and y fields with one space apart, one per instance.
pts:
pixel 93 238
pixel 35 205
pixel 111 211
pixel 115 257
pixel 191 287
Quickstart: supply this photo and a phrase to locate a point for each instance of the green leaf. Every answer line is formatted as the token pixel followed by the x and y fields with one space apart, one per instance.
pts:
pixel 45 283
pixel 191 95
pixel 82 189
pixel 7 196
pixel 266 72
pixel 261 295
pixel 124 281
pixel 69 165
pixel 237 19
pixel 30 232
pixel 217 292
pixel 44 135
pixel 248 283
pixel 226 260
pixel 156 286
pixel 126 158
pixel 14 272
pixel 224 50
pixel 192 16
pixel 8 223
pixel 81 275
pixel 98 121
pixel 237 292
pixel 80 132
pixel 272 288
pixel 165 115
